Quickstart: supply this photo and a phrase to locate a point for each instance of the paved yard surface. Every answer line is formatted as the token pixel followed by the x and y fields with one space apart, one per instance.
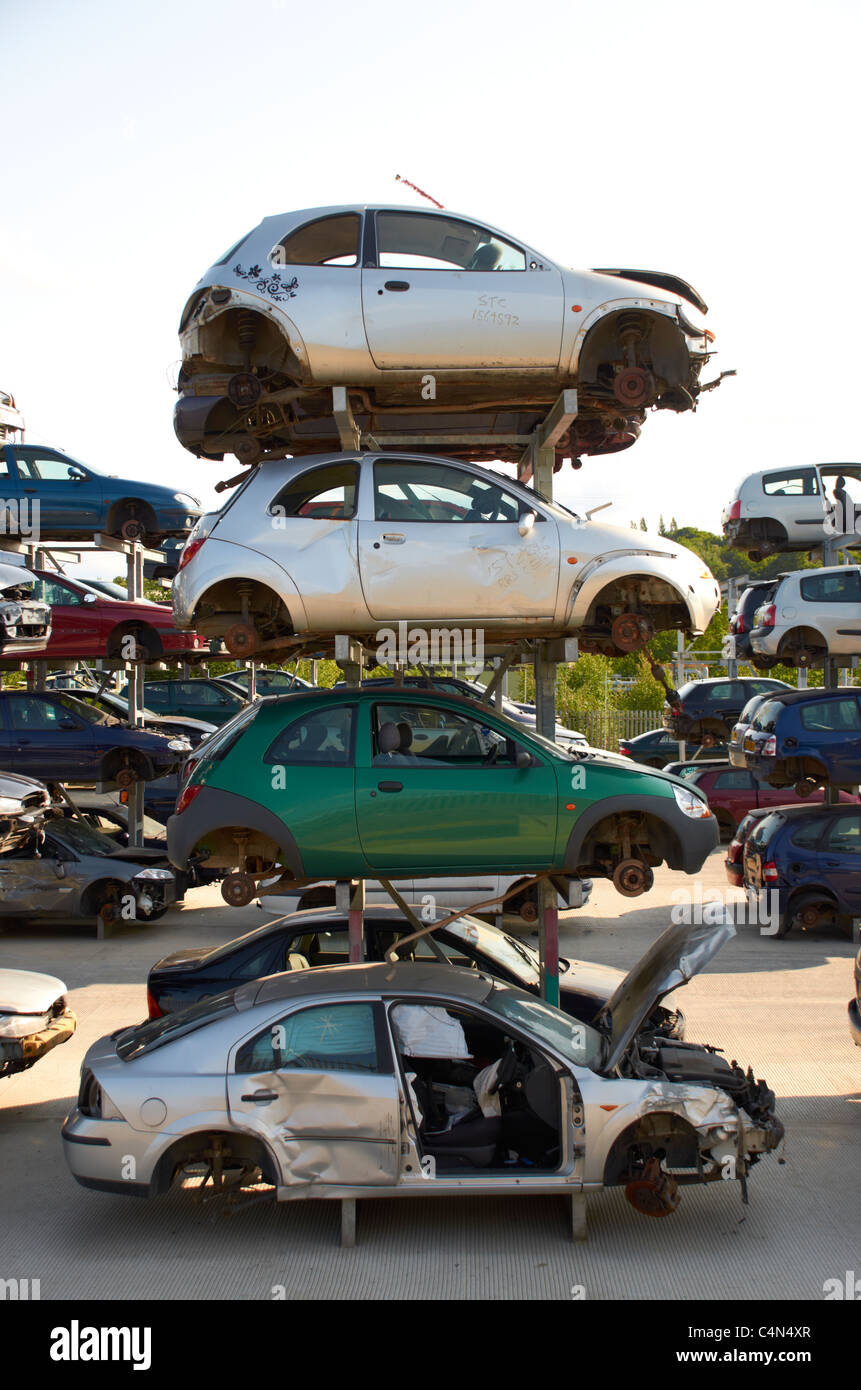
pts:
pixel 778 1004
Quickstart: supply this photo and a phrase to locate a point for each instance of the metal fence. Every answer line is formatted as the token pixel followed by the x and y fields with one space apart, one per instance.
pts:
pixel 604 728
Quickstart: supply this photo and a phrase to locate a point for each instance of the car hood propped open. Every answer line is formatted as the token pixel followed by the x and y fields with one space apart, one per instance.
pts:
pixel 678 954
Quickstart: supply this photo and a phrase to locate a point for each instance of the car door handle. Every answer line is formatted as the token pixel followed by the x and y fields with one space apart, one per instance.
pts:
pixel 390 786
pixel 260 1096
pixel 30 489
pixel 393 538
pixel 398 286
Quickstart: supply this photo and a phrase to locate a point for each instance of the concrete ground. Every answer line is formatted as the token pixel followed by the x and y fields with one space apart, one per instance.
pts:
pixel 780 1004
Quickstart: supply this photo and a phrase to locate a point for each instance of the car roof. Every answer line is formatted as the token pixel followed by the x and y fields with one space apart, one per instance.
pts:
pixel 384 978
pixel 798 697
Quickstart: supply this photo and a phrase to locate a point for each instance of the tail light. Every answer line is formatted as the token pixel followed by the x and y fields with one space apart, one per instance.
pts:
pixel 186 799
pixel 738 624
pixel 153 1009
pixel 626 751
pixel 769 871
pixel 769 748
pixel 189 550
pixel 767 616
pixel 735 510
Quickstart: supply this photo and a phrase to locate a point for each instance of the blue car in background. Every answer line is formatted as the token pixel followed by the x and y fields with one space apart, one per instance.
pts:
pixel 806 739
pixel 55 738
pixel 811 855
pixel 75 501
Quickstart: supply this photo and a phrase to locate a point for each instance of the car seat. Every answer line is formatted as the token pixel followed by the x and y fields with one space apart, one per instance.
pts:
pixel 486 257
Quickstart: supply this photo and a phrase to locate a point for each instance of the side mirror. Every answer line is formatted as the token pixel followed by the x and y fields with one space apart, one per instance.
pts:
pixel 525 523
pixel 59 868
pixel 68 724
pixel 89 598
pixel 523 759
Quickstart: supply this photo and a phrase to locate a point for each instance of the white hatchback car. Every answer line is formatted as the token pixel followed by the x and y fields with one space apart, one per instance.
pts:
pixel 373 298
pixel 358 543
pixel 810 615
pixel 793 508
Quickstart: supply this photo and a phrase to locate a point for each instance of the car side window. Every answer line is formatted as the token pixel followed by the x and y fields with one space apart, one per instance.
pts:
pixel 323 494
pixel 30 712
pixel 5 471
pixel 47 591
pixel 800 483
pixel 428 241
pixel 807 836
pixel 844 587
pixel 738 780
pixel 844 836
pixel 50 470
pixel 725 694
pixel 325 737
pixel 199 693
pixel 435 492
pixel 407 735
pixel 831 716
pixel 325 1037
pixel 325 241
pixel 157 695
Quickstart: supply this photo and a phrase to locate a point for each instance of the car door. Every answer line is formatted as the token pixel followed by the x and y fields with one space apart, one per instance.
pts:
pixel 198 699
pixel 12 521
pixel 441 292
pixel 794 498
pixel 832 733
pixel 318 1085
pixel 443 542
pixel 74 624
pixel 831 603
pixel 451 796
pixel 69 497
pixel 312 521
pixel 32 887
pixel 49 740
pixel 841 860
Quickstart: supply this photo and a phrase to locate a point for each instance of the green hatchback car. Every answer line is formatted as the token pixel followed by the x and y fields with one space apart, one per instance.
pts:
pixel 366 783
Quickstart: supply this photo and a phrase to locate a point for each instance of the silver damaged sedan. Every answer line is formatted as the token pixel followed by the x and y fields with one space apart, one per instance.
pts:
pixel 401 1079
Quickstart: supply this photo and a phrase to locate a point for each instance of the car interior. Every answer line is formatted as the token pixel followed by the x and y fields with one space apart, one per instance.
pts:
pixel 479 1097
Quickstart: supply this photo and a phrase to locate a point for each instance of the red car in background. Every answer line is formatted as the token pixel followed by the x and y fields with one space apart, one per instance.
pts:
pixel 88 624
pixel 733 792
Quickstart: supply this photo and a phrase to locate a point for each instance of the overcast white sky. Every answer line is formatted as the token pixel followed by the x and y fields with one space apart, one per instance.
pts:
pixel 719 142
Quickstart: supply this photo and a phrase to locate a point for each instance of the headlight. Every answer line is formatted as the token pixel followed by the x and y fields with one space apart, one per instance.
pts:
pixel 21 1025
pixel 153 873
pixel 185 499
pixel 179 745
pixel 691 805
pixel 12 612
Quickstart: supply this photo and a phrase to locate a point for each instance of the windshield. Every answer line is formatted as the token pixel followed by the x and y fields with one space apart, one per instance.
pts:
pixel 498 946
pixel 158 1031
pixel 77 835
pixel 81 710
pixel 578 1042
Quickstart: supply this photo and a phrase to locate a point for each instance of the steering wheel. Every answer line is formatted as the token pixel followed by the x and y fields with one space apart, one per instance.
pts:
pixel 506 1069
pixel 491 756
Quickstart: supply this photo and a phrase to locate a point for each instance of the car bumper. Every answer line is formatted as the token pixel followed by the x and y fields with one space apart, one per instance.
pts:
pixel 855 1021
pixel 734 874
pixel 29 1049
pixel 697 838
pixel 735 753
pixel 764 641
pixel 96 1153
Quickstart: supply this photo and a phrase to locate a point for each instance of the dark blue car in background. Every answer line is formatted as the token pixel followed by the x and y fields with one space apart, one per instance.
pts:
pixel 55 738
pixel 806 739
pixel 812 856
pixel 75 501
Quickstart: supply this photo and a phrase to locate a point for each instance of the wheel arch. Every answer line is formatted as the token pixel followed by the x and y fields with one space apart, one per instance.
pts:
pixel 668 839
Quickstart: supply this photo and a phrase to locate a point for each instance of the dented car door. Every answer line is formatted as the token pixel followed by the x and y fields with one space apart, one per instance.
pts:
pixel 318 1086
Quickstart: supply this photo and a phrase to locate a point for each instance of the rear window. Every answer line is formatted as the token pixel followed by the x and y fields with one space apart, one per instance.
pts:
pixel 217 746
pixel 762 833
pixel 766 718
pixel 147 1036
